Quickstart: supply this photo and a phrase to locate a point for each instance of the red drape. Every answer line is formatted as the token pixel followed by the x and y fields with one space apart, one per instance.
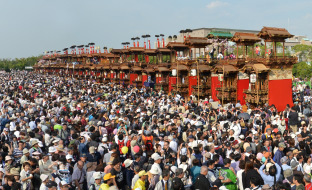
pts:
pixel 133 77
pixel 215 83
pixel 192 81
pixel 280 93
pixel 172 80
pixel 241 86
pixel 144 78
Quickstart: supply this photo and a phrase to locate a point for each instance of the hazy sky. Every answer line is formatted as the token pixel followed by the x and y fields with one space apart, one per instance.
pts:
pixel 30 27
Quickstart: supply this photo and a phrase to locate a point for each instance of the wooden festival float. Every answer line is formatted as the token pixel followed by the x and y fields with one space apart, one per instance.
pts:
pixel 179 67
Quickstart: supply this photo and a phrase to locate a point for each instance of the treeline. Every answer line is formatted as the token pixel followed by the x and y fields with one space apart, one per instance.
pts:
pixel 18 63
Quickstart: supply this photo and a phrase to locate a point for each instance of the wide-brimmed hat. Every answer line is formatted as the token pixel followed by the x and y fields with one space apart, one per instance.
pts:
pixel 128 162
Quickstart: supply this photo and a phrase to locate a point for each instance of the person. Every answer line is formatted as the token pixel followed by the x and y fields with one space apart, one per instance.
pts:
pixel 227 176
pixel 298 181
pixel 202 182
pixel 78 177
pixel 307 181
pixel 109 182
pixel 249 172
pixel 195 170
pixel 117 171
pixel 44 179
pixel 140 184
pixel 165 183
pixel 52 185
pixel 272 172
pixel 136 176
pixel 279 153
pixel 177 183
pixel 97 181
pixel 255 183
pixel 26 176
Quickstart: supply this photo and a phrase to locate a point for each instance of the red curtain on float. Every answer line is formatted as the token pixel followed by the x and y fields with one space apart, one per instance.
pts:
pixel 280 93
pixel 80 72
pixel 192 82
pixel 121 75
pixel 136 58
pixel 242 85
pixel 215 83
pixel 133 77
pixel 98 73
pixel 112 75
pixel 172 80
pixel 144 78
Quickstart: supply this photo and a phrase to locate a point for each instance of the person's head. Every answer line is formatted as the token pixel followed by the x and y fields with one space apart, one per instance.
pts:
pixel 108 178
pixel 26 166
pixel 281 146
pixel 136 169
pixel 80 164
pixel 227 162
pixel 143 175
pixel 97 177
pixel 10 180
pixel 248 166
pixel 298 179
pixel 204 170
pixel 166 174
pixel 307 178
pixel 211 164
pixel 255 181
pixel 116 164
pixel 266 142
pixel 179 173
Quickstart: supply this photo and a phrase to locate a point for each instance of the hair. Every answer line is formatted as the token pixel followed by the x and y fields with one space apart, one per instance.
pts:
pixel 248 166
pixel 165 173
pixel 226 161
pixel 255 180
pixel 242 164
pixel 203 169
pixel 298 178
pixel 183 158
pixel 196 162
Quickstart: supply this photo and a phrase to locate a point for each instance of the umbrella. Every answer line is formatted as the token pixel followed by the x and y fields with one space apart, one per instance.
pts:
pixel 245 116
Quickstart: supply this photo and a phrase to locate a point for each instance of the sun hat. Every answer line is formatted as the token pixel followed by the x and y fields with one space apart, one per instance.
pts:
pixel 128 162
pixel 44 177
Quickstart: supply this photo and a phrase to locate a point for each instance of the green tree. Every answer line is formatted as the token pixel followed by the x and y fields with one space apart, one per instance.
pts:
pixel 304 52
pixel 302 70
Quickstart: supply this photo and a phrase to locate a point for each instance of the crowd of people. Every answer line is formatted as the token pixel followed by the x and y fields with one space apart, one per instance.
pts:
pixel 63 133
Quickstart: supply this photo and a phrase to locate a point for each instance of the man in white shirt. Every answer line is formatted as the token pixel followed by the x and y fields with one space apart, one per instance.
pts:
pixel 173 144
pixel 157 161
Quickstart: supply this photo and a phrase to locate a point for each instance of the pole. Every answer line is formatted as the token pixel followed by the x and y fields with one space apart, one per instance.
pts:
pixel 283 49
pixel 197 83
pixel 177 76
pixel 223 86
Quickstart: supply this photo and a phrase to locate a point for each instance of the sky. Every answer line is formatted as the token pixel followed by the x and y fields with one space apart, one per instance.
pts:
pixel 31 27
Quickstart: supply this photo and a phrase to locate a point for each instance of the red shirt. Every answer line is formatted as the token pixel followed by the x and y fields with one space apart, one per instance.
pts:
pixel 308 187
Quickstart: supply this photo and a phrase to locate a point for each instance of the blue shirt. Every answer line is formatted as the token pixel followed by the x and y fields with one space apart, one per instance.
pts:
pixel 277 157
pixel 82 148
pixel 270 179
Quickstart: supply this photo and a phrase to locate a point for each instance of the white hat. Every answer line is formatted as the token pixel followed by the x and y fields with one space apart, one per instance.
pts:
pixel 154 171
pixel 241 137
pixel 213 128
pixel 56 140
pixel 156 156
pixel 104 139
pixel 52 149
pixel 128 162
pixel 40 144
pixel 97 175
pixel 68 156
pixel 44 177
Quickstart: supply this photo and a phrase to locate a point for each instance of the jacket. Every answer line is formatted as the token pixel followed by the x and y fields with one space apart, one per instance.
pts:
pixel 160 185
pixel 202 183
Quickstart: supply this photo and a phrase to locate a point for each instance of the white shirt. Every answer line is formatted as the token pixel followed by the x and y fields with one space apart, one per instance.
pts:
pixel 43 187
pixel 156 167
pixel 173 145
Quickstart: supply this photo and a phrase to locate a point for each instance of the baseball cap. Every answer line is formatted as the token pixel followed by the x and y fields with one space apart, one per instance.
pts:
pixel 97 175
pixel 68 156
pixel 142 173
pixel 92 149
pixel 108 176
pixel 83 155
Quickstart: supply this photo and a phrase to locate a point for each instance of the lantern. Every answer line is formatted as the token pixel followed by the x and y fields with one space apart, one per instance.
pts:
pixel 193 72
pixel 174 72
pixel 253 78
pixel 220 77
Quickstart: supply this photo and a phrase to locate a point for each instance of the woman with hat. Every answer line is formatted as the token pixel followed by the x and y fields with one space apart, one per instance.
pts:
pixel 141 181
pixel 8 165
pixel 45 165
pixel 35 147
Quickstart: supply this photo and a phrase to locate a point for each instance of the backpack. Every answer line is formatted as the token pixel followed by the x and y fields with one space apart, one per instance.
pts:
pixel 120 145
pixel 148 143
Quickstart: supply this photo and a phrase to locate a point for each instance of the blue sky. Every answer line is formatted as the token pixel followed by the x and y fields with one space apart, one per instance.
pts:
pixel 30 27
